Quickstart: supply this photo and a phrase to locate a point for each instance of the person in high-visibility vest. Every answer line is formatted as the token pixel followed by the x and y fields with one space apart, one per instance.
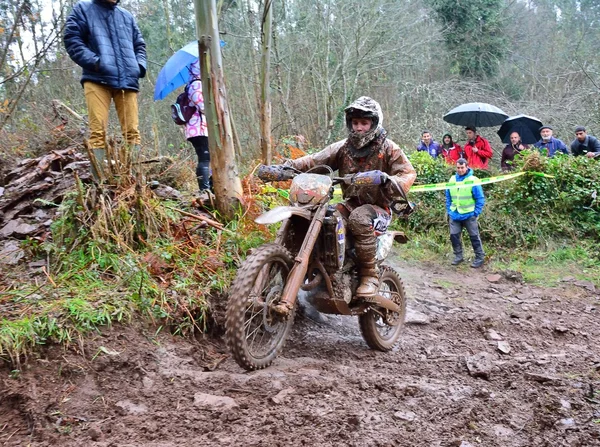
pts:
pixel 464 204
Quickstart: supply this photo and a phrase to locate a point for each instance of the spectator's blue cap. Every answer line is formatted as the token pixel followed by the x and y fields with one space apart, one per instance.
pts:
pixel 545 127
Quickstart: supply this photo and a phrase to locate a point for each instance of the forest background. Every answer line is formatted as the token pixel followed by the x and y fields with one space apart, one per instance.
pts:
pixel 418 58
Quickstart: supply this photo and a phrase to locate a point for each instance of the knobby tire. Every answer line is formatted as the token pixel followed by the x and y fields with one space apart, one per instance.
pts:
pixel 370 321
pixel 238 307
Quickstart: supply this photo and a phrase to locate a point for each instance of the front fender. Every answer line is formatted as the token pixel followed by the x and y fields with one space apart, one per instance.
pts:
pixel 280 213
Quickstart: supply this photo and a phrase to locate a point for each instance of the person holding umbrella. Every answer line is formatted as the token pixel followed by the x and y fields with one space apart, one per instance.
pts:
pixel 513 148
pixel 196 131
pixel 477 149
pixel 551 144
pixel 183 69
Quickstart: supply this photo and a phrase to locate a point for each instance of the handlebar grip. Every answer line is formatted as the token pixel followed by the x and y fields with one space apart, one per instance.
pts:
pixel 368 178
pixel 275 173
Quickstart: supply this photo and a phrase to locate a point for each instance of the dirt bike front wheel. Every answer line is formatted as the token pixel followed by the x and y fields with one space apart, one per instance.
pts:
pixel 255 333
pixel 381 328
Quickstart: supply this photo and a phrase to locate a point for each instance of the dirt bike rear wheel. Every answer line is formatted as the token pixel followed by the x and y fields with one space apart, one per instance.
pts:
pixel 255 333
pixel 381 328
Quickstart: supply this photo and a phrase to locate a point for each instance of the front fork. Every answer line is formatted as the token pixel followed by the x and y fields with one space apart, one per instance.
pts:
pixel 296 277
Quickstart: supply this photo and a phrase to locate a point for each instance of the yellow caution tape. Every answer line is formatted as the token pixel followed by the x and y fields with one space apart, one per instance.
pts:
pixel 432 186
pixel 482 181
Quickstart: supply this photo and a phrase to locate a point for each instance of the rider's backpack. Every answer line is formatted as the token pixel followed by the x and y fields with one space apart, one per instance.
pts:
pixel 181 110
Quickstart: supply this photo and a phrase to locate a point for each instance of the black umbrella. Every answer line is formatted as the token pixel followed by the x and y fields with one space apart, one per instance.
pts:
pixel 527 126
pixel 478 114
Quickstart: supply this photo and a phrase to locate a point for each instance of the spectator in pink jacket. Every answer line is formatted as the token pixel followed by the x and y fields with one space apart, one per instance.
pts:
pixel 196 131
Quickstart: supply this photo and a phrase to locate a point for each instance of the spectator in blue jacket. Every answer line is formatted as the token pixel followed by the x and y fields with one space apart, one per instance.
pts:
pixel 551 144
pixel 428 144
pixel 464 204
pixel 105 41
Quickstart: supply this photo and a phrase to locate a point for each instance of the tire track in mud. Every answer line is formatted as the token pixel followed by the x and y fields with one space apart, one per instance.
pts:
pixel 328 388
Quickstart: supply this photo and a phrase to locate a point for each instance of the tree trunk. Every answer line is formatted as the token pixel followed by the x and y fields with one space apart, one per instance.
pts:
pixel 265 103
pixel 226 182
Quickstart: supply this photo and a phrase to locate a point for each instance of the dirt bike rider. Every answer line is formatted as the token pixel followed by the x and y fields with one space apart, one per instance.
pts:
pixel 366 208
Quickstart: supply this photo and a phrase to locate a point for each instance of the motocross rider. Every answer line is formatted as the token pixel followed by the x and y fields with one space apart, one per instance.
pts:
pixel 366 208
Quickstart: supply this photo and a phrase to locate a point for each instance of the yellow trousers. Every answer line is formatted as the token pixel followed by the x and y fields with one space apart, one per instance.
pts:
pixel 98 97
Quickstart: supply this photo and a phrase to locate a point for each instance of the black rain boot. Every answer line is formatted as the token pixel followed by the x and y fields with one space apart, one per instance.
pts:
pixel 478 249
pixel 457 248
pixel 203 175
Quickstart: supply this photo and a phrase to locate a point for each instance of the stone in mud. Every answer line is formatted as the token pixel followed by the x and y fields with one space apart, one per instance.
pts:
pixel 568 279
pixel 18 228
pixel 565 424
pixel 504 347
pixel 541 378
pixel 480 365
pixel 408 416
pixel 280 397
pixel 512 275
pixel 11 253
pixel 588 285
pixel 416 317
pixel 212 402
pixel 494 278
pixel 95 433
pixel 493 335
pixel 148 383
pixel 128 407
pixel 503 432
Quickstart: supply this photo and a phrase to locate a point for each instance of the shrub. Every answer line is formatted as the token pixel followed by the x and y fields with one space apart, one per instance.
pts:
pixel 528 212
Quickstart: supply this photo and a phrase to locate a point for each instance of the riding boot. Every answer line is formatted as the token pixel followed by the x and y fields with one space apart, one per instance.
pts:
pixel 367 269
pixel 457 248
pixel 478 249
pixel 369 280
pixel 100 156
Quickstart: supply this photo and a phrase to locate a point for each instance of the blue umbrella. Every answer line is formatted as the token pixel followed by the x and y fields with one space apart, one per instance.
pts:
pixel 176 72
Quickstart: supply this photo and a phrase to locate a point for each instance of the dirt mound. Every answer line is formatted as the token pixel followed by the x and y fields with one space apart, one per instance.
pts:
pixel 482 363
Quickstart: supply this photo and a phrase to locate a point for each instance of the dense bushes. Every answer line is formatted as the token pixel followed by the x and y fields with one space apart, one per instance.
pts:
pixel 528 212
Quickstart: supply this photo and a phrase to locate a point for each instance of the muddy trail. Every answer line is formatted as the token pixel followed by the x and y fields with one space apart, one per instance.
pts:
pixel 485 361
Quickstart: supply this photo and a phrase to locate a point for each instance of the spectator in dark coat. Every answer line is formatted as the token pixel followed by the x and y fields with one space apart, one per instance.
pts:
pixel 105 41
pixel 585 144
pixel 510 150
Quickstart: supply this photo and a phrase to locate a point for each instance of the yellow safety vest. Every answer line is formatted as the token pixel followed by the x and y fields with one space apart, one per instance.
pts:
pixel 462 198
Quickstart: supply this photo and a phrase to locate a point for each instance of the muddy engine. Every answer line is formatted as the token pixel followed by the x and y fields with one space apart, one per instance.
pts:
pixel 334 241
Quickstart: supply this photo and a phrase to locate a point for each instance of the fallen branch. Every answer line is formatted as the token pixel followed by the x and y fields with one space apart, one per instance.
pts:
pixel 210 222
pixel 56 104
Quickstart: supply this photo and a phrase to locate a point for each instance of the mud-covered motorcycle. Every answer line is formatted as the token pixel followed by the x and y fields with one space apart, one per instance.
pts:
pixel 313 253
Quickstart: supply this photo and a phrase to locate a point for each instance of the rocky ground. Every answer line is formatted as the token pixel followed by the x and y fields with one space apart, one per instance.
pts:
pixel 485 361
